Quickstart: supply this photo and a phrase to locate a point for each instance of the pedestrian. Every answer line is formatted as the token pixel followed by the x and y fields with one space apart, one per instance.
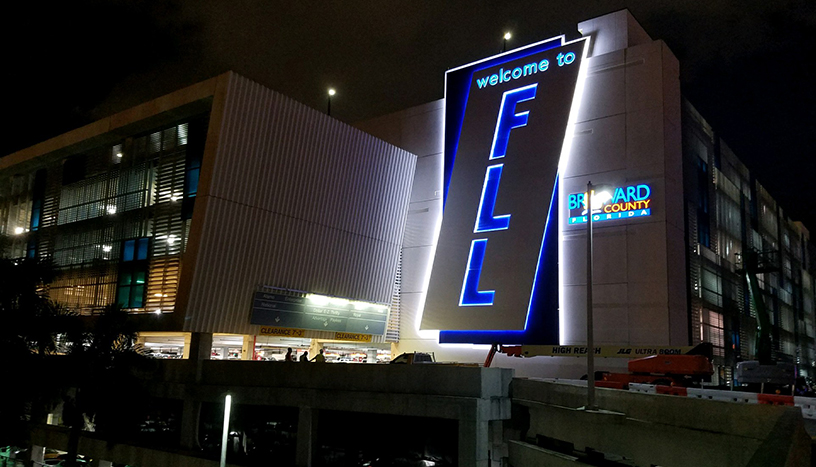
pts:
pixel 319 358
pixel 304 358
pixel 289 357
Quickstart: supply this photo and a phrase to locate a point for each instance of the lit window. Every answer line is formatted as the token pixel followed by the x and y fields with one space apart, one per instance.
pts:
pixel 116 153
pixel 133 273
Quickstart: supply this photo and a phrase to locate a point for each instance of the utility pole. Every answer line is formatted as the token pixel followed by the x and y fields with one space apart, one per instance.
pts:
pixel 590 336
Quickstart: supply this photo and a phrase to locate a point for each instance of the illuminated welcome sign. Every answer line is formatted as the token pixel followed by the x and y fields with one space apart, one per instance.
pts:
pixel 495 270
pixel 611 204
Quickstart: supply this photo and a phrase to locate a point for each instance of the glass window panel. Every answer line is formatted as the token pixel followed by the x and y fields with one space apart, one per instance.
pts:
pixel 127 253
pixel 137 296
pixel 192 182
pixel 125 278
pixel 143 244
pixel 124 297
pixel 139 277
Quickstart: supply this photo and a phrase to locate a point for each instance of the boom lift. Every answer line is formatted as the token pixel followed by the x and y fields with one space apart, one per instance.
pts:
pixel 764 370
pixel 670 369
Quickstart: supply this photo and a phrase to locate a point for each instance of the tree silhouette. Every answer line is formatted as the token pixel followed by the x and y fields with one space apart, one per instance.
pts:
pixel 31 324
pixel 107 364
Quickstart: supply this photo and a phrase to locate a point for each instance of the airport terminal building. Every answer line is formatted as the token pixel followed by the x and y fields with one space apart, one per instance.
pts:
pixel 236 222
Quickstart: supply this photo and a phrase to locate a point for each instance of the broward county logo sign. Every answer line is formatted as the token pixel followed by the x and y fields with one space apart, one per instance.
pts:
pixel 611 204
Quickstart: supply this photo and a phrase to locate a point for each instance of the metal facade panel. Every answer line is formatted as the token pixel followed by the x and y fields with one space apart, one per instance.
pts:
pixel 297 200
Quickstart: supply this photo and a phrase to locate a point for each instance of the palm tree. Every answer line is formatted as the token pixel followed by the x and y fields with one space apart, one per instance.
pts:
pixel 106 362
pixel 31 323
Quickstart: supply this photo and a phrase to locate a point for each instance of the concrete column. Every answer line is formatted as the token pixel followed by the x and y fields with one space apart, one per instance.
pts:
pixel 314 348
pixel 200 346
pixel 371 356
pixel 37 455
pixel 474 443
pixel 306 437
pixel 248 348
pixel 189 424
pixel 185 351
pixel 498 445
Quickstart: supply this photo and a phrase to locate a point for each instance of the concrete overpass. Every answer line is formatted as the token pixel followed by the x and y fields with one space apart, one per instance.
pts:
pixel 545 426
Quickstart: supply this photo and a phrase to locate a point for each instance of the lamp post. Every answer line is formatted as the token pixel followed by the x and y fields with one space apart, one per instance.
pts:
pixel 225 432
pixel 331 93
pixel 590 336
pixel 507 37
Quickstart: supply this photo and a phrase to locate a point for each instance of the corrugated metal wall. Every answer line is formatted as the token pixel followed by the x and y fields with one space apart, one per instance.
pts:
pixel 296 200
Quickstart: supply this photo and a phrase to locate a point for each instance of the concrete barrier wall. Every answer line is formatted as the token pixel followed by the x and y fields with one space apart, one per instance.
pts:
pixel 426 379
pixel 98 449
pixel 655 429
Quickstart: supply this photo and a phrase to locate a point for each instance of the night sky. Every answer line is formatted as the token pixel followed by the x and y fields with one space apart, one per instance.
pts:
pixel 746 65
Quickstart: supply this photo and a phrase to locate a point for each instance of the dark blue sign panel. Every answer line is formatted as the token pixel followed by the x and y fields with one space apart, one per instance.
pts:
pixel 495 271
pixel 337 315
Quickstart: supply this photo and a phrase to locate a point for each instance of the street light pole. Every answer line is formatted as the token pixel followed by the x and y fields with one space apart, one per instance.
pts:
pixel 331 93
pixel 507 36
pixel 590 336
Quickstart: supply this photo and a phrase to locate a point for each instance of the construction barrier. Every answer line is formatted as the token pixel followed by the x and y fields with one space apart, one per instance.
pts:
pixel 726 396
pixel 671 390
pixel 807 404
pixel 610 384
pixel 774 399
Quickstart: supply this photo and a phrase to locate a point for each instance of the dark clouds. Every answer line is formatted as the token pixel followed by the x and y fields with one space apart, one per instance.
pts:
pixel 744 64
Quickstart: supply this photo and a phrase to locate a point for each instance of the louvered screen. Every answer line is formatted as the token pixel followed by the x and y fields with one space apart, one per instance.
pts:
pixel 392 331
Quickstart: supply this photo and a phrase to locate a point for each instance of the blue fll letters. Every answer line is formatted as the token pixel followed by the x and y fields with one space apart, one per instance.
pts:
pixel 485 220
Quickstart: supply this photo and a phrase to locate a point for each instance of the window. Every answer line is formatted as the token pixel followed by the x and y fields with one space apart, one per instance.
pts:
pixel 37 199
pixel 73 169
pixel 192 163
pixel 713 331
pixel 116 154
pixel 703 218
pixel 133 273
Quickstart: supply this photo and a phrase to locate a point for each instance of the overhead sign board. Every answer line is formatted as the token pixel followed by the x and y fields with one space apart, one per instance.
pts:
pixel 318 313
pixel 495 273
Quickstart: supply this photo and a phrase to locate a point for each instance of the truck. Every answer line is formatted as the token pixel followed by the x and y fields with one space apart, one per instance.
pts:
pixel 413 358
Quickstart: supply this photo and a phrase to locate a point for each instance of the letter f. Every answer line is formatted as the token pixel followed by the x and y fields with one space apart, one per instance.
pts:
pixel 508 119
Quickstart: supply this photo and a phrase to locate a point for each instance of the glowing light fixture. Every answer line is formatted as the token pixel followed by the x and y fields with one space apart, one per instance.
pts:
pixel 107 248
pixel 339 301
pixel 225 431
pixel 111 209
pixel 319 300
pixel 507 36
pixel 332 91
pixel 18 230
